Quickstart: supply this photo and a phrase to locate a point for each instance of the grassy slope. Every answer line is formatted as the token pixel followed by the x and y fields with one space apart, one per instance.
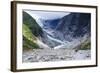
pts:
pixel 27 33
pixel 84 45
pixel 29 40
pixel 32 24
pixel 31 30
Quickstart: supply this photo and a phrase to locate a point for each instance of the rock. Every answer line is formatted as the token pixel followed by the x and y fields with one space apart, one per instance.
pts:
pixel 44 55
pixel 82 54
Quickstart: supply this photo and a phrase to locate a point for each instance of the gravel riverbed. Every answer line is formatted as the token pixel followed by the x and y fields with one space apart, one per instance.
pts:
pixel 44 55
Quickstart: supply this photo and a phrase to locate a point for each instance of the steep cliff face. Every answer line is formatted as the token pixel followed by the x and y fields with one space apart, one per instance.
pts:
pixel 70 31
pixel 73 25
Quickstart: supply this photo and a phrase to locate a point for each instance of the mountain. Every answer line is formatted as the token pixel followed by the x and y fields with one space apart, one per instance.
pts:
pixel 34 36
pixel 29 40
pixel 68 32
pixel 32 24
pixel 74 29
pixel 31 33
pixel 75 24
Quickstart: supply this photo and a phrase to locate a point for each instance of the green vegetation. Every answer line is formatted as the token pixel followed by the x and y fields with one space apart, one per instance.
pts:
pixel 28 34
pixel 85 45
pixel 30 31
pixel 32 24
pixel 27 44
pixel 28 39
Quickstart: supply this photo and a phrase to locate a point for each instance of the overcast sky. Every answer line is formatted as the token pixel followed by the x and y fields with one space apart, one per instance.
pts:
pixel 46 15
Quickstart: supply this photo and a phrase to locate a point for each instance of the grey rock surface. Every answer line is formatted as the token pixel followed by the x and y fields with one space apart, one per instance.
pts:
pixel 45 55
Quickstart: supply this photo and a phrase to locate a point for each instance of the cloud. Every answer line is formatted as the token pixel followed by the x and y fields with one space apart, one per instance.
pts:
pixel 46 15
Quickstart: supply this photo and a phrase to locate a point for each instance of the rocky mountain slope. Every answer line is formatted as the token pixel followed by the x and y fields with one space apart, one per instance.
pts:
pixel 31 33
pixel 67 32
